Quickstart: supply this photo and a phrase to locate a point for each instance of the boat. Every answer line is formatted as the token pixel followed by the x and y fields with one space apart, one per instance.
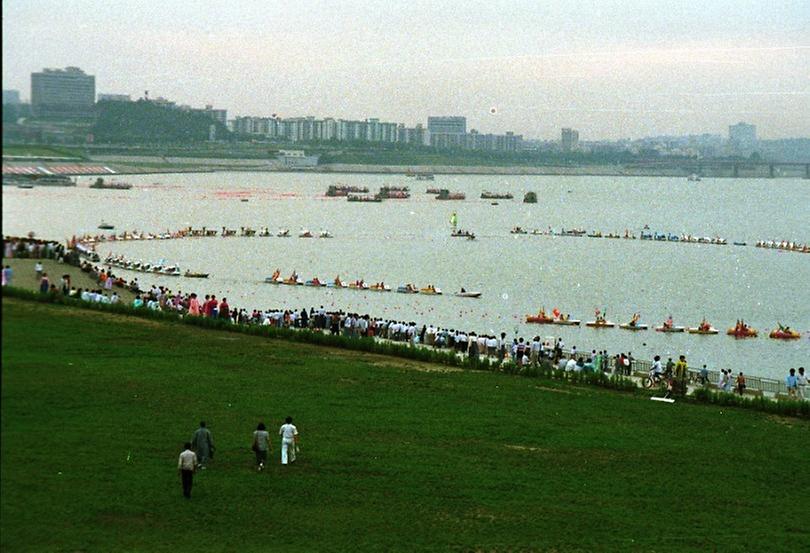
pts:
pixel 358 285
pixel 325 234
pixel 314 282
pixel 566 322
pixel 540 319
pixel 496 196
pixel 407 289
pixel 465 294
pixel 633 327
pixel 694 177
pixel 106 226
pixel 284 233
pixel 530 198
pixel 740 244
pixel 189 274
pixel 379 287
pixel 700 330
pixel 445 194
pixel 101 184
pixel 600 324
pixel 430 290
pixel 784 334
pixel 292 281
pixel 394 193
pixel 304 234
pixel 665 328
pixel 244 200
pixel 170 271
pixel 26 186
pixel 432 191
pixel 518 230
pixel 340 190
pixel 462 234
pixel 363 198
pixel 38 180
pixel 742 332
pixel 272 280
pixel 424 176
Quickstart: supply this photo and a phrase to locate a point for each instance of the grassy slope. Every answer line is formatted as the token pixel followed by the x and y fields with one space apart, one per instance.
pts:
pixel 393 457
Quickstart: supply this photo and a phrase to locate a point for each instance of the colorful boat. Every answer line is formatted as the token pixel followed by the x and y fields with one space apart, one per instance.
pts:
pixel 665 328
pixel 784 334
pixel 408 289
pixel 742 332
pixel 430 291
pixel 539 319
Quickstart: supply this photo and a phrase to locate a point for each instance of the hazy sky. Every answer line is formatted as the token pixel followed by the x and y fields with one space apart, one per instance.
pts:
pixel 611 69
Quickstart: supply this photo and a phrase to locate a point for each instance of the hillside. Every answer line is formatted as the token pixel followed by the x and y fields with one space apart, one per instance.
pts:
pixel 395 455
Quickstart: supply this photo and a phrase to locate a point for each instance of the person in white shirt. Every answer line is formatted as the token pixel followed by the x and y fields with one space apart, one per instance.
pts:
pixel 570 366
pixel 186 465
pixel 289 441
pixel 536 347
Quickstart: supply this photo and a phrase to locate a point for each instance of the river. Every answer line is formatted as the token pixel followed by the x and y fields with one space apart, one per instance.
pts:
pixel 400 241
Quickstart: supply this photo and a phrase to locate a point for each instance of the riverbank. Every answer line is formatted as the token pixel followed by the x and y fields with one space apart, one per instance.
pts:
pixel 378 436
pixel 148 164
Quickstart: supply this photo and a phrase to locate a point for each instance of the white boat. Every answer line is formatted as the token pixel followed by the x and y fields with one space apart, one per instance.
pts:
pixel 467 294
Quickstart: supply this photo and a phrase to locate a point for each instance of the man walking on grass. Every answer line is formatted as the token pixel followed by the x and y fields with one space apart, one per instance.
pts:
pixel 289 441
pixel 203 444
pixel 186 465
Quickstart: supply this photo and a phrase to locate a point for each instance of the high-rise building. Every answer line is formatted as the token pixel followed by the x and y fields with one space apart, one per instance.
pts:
pixel 447 124
pixel 742 138
pixel 569 140
pixel 62 93
pixel 11 97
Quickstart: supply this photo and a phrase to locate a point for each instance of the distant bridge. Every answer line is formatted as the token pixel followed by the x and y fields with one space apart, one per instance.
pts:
pixel 732 168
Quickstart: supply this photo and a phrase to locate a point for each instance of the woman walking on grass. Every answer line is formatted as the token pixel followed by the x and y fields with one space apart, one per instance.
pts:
pixel 261 444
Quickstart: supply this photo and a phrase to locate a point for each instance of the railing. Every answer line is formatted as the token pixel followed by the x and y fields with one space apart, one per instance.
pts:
pixel 641 367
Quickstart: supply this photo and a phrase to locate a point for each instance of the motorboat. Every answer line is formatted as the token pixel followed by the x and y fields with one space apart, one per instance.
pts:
pixel 464 294
pixel 106 226
pixel 189 274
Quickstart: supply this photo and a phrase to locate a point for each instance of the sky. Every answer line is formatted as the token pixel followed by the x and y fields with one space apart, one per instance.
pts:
pixel 611 69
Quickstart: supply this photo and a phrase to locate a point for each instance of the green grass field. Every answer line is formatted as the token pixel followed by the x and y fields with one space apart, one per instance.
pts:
pixel 395 455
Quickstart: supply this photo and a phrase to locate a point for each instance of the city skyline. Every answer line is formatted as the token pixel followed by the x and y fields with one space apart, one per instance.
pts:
pixel 610 70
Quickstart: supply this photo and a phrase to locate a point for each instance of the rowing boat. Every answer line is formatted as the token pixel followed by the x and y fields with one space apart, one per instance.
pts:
pixel 784 334
pixel 705 331
pixel 670 329
pixel 628 326
pixel 600 324
pixel 566 322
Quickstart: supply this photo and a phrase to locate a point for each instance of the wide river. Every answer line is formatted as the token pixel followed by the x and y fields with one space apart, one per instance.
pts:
pixel 401 241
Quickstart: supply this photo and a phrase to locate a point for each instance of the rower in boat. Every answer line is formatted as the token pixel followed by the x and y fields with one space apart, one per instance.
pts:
pixel 338 282
pixel 276 274
pixel 704 325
